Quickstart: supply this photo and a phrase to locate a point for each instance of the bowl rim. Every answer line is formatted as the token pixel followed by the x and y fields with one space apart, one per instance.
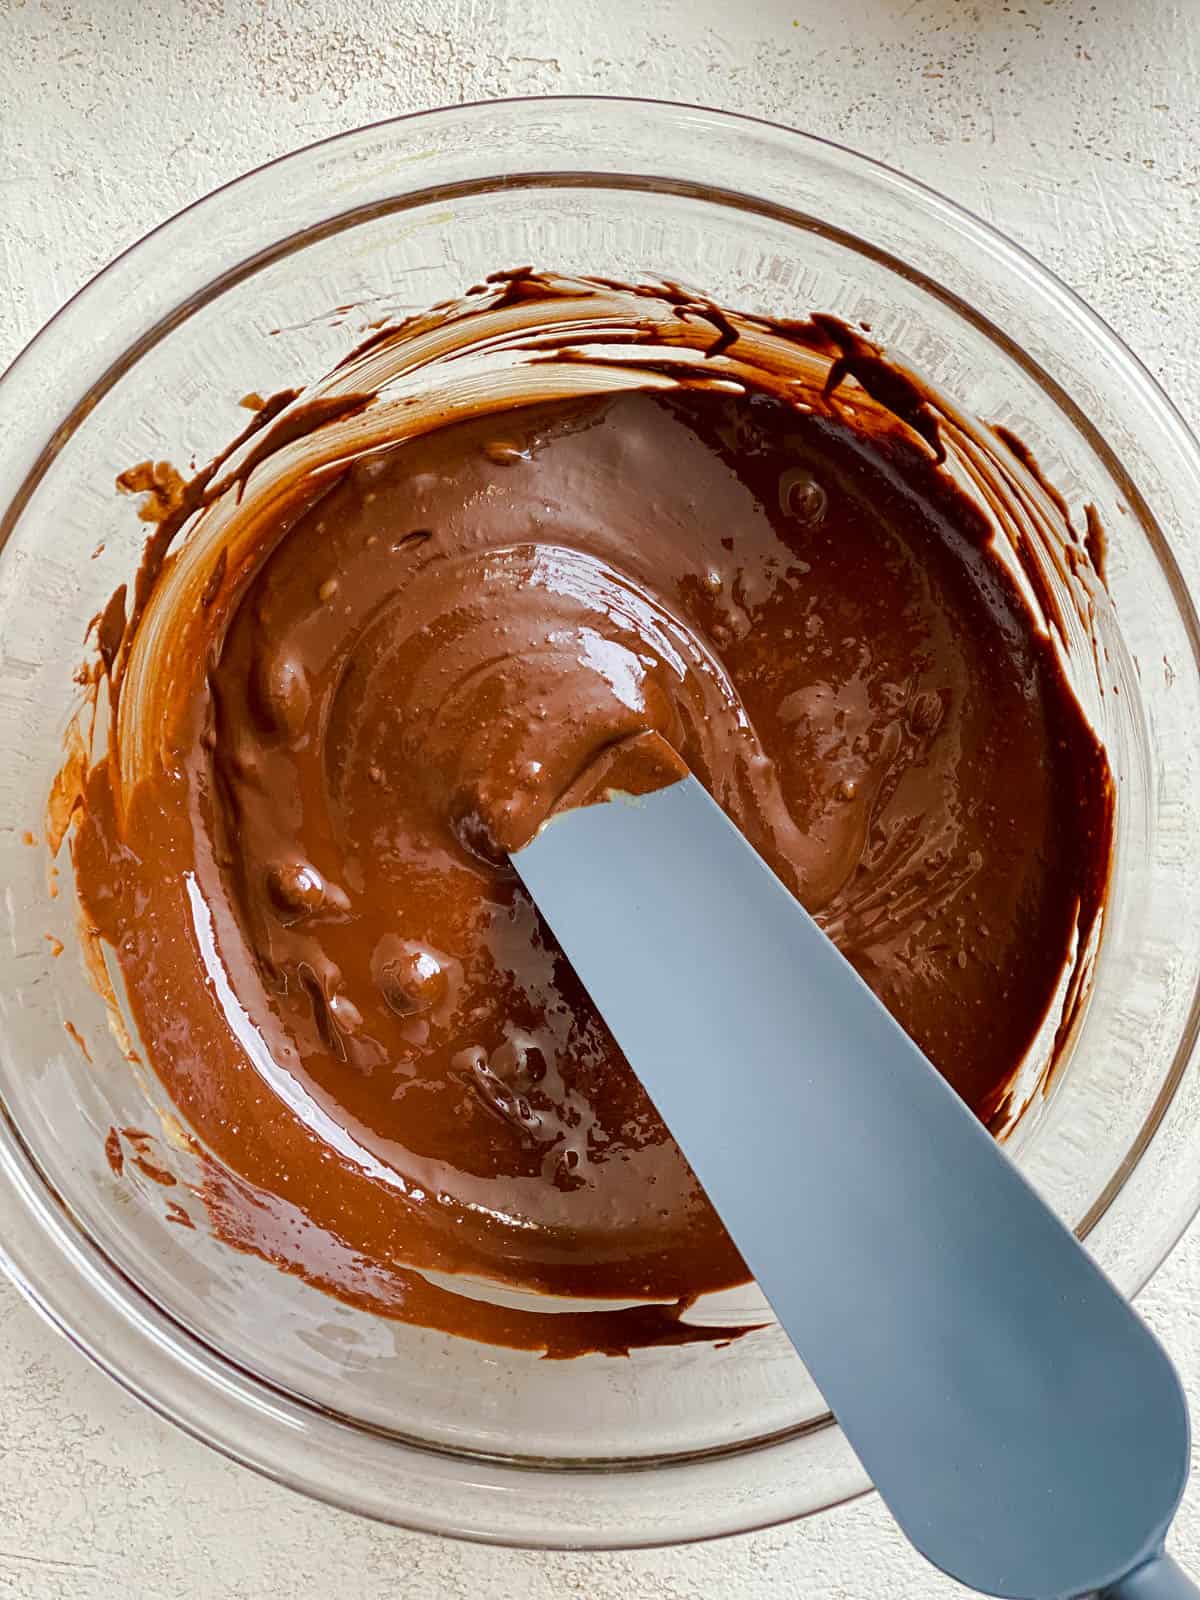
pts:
pixel 36 1264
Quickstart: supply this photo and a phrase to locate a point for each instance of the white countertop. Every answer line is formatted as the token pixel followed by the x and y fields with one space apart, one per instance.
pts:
pixel 1073 125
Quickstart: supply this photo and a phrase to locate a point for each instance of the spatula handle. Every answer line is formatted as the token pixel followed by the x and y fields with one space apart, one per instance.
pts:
pixel 1161 1578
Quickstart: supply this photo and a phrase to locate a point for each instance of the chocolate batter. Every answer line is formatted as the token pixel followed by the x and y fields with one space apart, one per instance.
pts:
pixel 391 669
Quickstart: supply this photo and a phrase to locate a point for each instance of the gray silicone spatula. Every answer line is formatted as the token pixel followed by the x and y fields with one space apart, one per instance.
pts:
pixel 1026 1430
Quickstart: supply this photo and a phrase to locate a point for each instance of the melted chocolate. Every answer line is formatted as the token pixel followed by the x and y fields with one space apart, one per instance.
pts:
pixel 386 1060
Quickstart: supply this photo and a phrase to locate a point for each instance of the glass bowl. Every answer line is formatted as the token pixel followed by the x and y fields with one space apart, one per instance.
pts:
pixel 268 283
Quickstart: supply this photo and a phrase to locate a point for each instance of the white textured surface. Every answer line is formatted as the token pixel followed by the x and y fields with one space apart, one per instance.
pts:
pixel 1075 126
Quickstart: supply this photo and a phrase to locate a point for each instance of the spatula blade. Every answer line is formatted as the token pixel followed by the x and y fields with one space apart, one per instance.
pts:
pixel 1024 1427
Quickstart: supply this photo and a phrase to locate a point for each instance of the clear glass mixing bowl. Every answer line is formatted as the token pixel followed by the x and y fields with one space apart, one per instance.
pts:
pixel 269 282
